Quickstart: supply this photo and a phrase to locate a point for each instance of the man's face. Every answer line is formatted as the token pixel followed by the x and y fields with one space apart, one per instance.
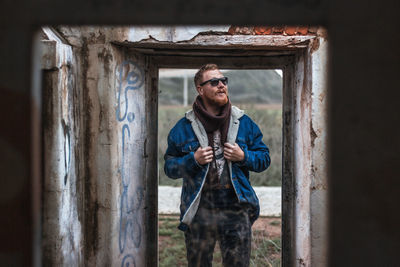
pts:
pixel 213 95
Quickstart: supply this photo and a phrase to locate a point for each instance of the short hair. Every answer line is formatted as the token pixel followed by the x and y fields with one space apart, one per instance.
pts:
pixel 199 74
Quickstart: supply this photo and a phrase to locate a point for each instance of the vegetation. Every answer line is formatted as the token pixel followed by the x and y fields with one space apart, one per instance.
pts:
pixel 266 249
pixel 247 90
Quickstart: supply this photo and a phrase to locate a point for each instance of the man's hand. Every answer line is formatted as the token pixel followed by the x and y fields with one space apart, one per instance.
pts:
pixel 233 152
pixel 203 155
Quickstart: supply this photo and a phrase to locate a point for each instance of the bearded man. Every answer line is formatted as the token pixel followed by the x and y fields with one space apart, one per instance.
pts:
pixel 213 148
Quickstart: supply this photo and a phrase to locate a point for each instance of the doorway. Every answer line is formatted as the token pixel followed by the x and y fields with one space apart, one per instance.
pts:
pixel 116 152
pixel 303 76
pixel 259 94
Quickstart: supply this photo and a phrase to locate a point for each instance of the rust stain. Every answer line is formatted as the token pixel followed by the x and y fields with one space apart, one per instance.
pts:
pixel 321 96
pixel 301 262
pixel 303 30
pixel 313 135
pixel 290 30
pixel 262 30
pixel 315 45
pixel 319 187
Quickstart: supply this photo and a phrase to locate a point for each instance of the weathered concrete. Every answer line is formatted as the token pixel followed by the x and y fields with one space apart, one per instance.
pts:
pixel 225 41
pixel 299 88
pixel 118 131
pixel 302 159
pixel 62 219
pixel 170 34
pixel 319 168
pixel 116 107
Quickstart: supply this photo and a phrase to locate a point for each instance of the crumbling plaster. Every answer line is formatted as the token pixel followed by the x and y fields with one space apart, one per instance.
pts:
pixel 114 129
pixel 113 126
pixel 319 168
pixel 170 34
pixel 62 218
pixel 309 109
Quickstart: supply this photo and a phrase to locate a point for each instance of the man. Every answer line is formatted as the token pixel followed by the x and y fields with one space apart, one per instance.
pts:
pixel 213 148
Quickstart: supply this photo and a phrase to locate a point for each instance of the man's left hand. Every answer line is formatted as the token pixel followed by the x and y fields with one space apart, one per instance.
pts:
pixel 233 152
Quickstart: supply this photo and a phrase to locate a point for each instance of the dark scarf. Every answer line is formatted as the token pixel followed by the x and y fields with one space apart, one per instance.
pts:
pixel 211 122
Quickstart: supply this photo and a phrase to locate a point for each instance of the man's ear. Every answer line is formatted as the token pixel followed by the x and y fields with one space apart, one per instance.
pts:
pixel 199 90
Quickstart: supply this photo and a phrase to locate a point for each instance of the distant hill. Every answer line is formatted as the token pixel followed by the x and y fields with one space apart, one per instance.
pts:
pixel 245 86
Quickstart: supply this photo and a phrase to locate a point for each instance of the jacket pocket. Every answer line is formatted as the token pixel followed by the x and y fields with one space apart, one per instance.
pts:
pixel 190 146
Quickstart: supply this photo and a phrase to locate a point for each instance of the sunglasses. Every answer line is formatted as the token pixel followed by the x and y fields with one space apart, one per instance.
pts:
pixel 215 81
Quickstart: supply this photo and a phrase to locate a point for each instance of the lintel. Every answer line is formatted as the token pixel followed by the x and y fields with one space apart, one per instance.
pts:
pixel 234 45
pixel 231 62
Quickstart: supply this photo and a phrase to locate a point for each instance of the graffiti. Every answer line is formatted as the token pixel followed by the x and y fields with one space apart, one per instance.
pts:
pixel 130 77
pixel 67 149
pixel 129 224
pixel 128 260
pixel 124 178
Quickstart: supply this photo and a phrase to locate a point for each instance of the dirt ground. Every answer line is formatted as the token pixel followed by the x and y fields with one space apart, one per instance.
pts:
pixel 271 226
pixel 266 242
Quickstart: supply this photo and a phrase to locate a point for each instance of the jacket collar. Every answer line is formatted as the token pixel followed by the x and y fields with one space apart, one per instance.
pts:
pixel 236 114
pixel 201 134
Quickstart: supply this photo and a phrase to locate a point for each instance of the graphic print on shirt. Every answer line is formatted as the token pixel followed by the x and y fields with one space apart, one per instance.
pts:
pixel 219 153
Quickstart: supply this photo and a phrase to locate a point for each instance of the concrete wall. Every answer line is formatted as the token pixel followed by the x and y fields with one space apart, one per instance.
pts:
pixel 115 89
pixel 319 167
pixel 62 222
pixel 111 117
pixel 302 158
pixel 310 153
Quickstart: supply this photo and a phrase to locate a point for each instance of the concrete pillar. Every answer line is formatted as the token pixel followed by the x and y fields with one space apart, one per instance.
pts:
pixel 118 131
pixel 319 167
pixel 62 219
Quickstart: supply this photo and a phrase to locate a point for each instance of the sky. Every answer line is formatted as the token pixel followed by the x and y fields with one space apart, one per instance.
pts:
pixel 189 72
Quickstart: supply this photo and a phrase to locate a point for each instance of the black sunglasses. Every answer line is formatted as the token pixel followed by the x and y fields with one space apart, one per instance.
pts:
pixel 215 81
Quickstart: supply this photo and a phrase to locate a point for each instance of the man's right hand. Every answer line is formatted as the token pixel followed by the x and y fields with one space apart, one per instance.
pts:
pixel 203 155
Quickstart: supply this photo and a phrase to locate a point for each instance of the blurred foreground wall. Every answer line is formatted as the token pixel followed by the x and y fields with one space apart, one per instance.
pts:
pixel 363 150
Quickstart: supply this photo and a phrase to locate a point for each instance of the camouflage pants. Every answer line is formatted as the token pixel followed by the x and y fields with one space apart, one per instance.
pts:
pixel 230 227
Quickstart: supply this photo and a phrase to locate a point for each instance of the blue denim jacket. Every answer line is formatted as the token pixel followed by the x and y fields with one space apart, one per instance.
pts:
pixel 185 138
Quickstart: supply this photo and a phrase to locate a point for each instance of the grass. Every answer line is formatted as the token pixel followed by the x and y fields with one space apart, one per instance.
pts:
pixel 172 251
pixel 275 223
pixel 267 117
pixel 266 249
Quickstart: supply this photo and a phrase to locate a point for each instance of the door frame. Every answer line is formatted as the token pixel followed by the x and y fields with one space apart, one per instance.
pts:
pixel 293 56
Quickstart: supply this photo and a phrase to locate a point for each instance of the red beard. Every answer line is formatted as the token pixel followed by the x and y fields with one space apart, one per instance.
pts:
pixel 218 101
